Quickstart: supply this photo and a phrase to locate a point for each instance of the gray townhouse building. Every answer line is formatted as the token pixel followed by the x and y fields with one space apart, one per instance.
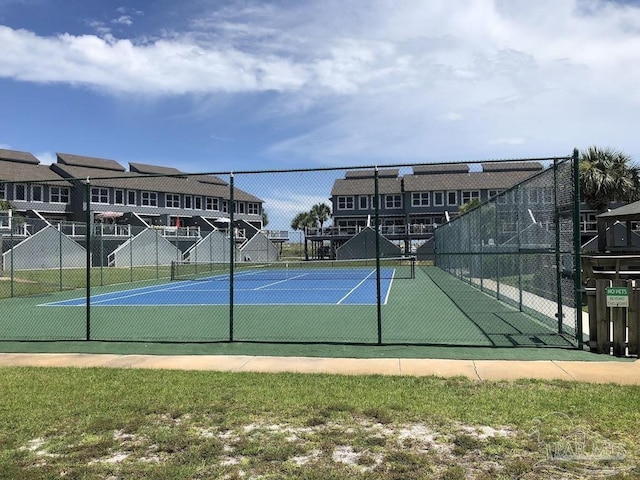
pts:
pixel 56 192
pixel 32 187
pixel 184 210
pixel 413 204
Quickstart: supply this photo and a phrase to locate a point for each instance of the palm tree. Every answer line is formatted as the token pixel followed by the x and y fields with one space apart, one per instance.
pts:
pixel 607 176
pixel 304 220
pixel 322 212
pixel 265 218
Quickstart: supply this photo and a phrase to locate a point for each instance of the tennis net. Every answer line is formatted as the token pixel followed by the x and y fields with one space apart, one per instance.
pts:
pixel 401 268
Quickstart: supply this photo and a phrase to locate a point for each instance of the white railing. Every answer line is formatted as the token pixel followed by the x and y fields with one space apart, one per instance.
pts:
pixel 276 234
pixel 413 229
pixel 166 231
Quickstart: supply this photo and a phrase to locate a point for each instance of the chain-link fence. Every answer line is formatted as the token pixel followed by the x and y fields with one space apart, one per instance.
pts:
pixel 520 247
pixel 324 255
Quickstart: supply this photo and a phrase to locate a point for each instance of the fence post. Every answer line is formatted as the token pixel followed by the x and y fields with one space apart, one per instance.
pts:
pixel 377 224
pixel 604 344
pixel 11 272
pixel 60 256
pixel 558 258
pixel 633 319
pixel 232 248
pixel 593 320
pixel 577 245
pixel 87 194
pixel 619 318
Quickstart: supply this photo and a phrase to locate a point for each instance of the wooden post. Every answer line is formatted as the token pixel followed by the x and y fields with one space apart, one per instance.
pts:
pixel 604 345
pixel 593 320
pixel 619 318
pixel 633 319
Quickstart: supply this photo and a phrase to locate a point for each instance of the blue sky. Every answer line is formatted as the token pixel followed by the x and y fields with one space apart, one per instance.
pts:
pixel 209 85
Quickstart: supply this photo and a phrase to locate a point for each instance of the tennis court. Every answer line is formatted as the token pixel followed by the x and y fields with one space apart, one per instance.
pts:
pixel 333 302
pixel 279 284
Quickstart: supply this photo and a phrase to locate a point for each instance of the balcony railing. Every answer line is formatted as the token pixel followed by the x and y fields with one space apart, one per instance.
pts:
pixel 276 234
pixel 412 229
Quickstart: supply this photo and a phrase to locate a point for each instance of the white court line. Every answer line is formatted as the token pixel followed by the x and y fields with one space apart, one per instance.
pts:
pixel 120 297
pixel 281 281
pixel 355 288
pixel 114 296
pixel 386 297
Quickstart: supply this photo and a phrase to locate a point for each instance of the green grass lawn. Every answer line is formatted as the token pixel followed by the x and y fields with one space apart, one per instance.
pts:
pixel 130 424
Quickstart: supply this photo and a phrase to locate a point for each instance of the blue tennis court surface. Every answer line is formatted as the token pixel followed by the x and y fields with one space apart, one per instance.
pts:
pixel 298 288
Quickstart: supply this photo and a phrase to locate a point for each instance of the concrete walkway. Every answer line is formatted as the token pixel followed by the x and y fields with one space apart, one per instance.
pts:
pixel 627 373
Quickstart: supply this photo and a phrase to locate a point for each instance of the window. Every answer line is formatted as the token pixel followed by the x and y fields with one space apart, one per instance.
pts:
pixel 392 201
pixel 438 199
pixel 131 197
pixel 534 195
pixel 3 191
pixel 493 193
pixel 149 199
pixel 118 197
pixel 225 206
pixel 212 203
pixel 240 207
pixel 363 202
pixel 420 199
pixel 19 192
pixel 58 194
pixel 172 200
pixel 254 208
pixel 188 201
pixel 547 195
pixel 99 195
pixel 452 198
pixel 36 193
pixel 469 195
pixel 345 203
pixel 198 203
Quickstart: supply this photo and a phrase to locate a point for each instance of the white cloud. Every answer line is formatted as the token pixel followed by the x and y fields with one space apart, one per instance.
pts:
pixel 283 206
pixel 123 20
pixel 415 80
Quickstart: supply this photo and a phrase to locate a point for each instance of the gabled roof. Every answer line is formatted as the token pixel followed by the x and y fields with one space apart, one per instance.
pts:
pixel 89 162
pixel 626 212
pixel 465 181
pixel 213 180
pixel 435 169
pixel 512 167
pixel 153 169
pixel 190 185
pixel 366 186
pixel 383 173
pixel 22 166
pixel 19 157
